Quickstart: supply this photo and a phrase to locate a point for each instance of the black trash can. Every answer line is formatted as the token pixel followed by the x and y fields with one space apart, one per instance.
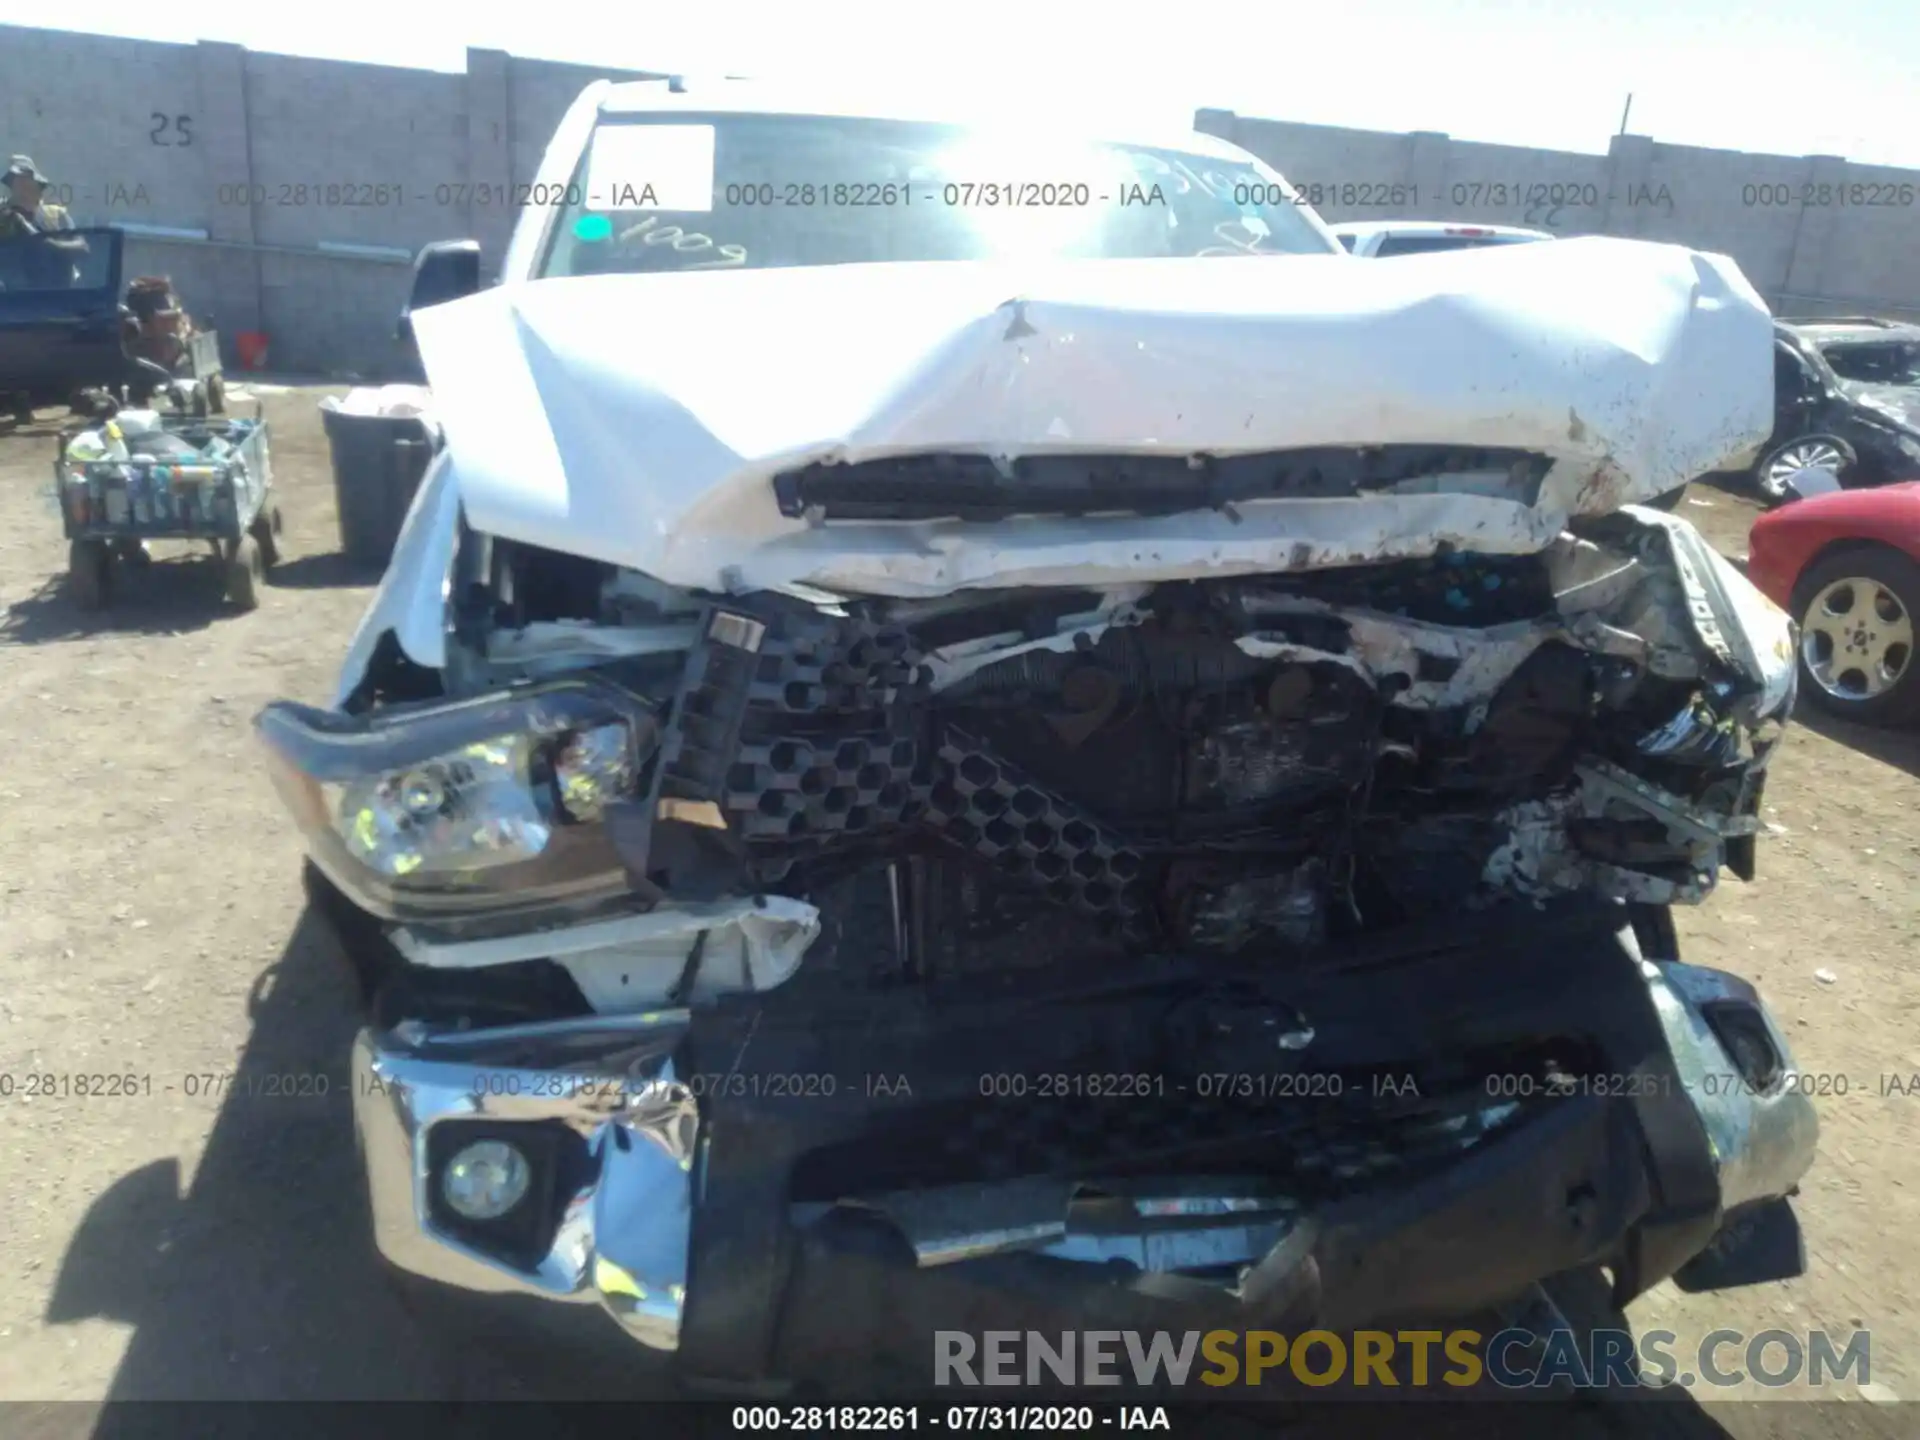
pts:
pixel 378 461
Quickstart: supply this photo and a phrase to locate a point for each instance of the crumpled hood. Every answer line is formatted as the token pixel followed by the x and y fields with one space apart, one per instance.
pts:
pixel 638 419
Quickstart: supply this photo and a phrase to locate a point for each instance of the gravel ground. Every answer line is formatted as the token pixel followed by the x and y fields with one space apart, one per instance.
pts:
pixel 203 1236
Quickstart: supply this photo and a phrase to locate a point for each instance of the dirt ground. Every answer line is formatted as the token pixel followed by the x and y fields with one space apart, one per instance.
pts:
pixel 203 1238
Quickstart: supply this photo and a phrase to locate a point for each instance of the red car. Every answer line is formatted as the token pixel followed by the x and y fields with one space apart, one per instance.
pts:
pixel 1846 566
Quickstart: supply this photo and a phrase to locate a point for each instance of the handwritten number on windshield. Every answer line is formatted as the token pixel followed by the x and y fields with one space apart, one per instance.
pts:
pixel 685 242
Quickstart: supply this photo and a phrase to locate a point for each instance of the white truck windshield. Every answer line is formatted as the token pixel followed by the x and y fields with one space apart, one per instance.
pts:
pixel 691 192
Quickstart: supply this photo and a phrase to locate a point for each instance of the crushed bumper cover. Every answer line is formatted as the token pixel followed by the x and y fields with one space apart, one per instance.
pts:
pixel 675 1213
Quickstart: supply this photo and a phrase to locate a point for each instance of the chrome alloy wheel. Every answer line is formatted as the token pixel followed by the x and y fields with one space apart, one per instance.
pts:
pixel 1856 639
pixel 1812 454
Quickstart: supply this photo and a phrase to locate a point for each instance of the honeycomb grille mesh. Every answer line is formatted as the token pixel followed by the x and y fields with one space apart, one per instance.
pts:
pixel 835 743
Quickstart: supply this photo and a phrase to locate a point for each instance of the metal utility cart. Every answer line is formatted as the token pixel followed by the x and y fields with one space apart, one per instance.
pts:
pixel 223 496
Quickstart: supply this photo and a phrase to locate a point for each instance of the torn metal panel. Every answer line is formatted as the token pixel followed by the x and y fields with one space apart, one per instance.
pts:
pixel 638 962
pixel 1605 784
pixel 1742 629
pixel 966 1222
pixel 1537 861
pixel 411 603
pixel 1069 1221
pixel 1163 1252
pixel 1544 857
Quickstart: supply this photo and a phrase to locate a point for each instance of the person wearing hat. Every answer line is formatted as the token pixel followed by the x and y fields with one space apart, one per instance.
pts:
pixel 24 212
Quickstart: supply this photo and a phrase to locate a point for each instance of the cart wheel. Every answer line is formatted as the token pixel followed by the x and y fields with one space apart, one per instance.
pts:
pixel 244 571
pixel 216 395
pixel 262 531
pixel 133 552
pixel 88 564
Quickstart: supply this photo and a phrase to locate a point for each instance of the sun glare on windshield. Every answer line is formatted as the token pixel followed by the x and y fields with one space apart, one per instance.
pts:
pixel 1020 199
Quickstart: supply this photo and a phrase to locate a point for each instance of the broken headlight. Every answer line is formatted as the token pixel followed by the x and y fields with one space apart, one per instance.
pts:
pixel 490 806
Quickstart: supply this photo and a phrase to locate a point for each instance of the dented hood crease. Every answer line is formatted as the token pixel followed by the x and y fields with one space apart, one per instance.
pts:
pixel 638 419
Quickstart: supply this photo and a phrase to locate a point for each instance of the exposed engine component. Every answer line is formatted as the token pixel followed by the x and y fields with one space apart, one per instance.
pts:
pixel 1205 766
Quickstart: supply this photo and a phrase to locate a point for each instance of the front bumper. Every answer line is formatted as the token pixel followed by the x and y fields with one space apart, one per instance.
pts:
pixel 616 1224
pixel 1636 1171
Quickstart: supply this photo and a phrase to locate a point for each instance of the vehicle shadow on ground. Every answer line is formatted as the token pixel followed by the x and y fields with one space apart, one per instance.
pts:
pixel 332 571
pixel 170 596
pixel 259 1280
pixel 1898 748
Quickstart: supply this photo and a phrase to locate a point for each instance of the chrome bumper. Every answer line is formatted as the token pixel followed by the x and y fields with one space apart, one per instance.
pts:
pixel 622 1231
pixel 1763 1138
pixel 619 1233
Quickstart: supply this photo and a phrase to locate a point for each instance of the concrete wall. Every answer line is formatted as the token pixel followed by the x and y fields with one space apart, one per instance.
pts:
pixel 274 156
pixel 1852 247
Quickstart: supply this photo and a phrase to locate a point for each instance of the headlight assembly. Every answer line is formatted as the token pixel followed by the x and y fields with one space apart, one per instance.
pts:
pixel 489 806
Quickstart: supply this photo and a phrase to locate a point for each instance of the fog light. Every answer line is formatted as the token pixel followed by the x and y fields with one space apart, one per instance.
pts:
pixel 486 1180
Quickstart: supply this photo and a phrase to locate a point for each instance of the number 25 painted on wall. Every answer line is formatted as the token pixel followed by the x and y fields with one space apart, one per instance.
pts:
pixel 180 127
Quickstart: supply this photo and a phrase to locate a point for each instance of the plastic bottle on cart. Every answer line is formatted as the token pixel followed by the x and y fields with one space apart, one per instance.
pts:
pixel 109 484
pixel 138 503
pixel 187 501
pixel 169 496
pixel 86 470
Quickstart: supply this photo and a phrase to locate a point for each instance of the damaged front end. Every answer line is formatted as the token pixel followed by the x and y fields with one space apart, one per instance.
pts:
pixel 1042 792
pixel 1197 765
pixel 1254 950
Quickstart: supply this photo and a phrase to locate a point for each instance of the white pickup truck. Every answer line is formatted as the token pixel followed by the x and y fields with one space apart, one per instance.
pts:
pixel 929 740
